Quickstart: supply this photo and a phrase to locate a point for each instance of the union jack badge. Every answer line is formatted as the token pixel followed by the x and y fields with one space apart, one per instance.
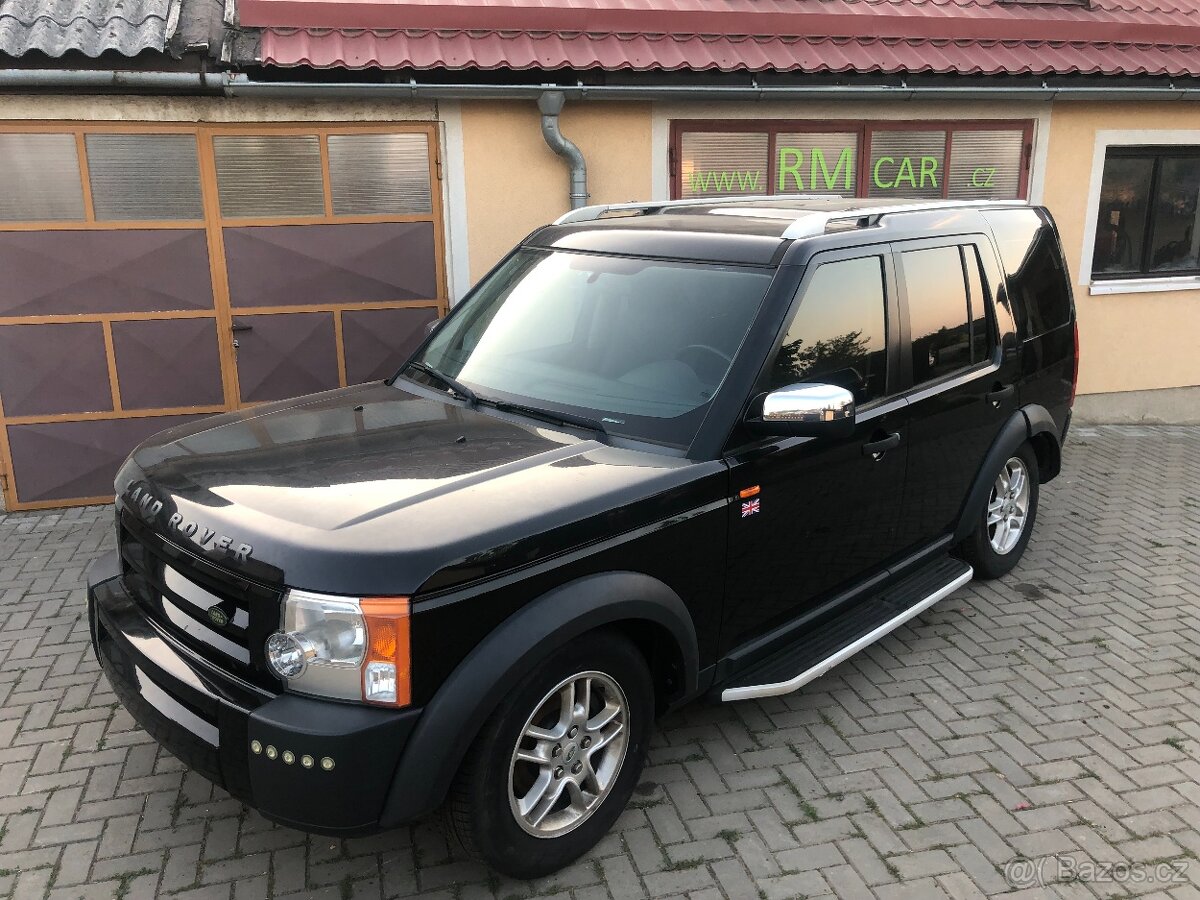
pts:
pixel 750 507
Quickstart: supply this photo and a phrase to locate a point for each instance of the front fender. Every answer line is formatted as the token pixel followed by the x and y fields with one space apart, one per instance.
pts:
pixel 463 703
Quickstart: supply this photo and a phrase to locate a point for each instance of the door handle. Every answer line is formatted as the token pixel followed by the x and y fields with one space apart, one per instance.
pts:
pixel 240 326
pixel 877 448
pixel 1000 393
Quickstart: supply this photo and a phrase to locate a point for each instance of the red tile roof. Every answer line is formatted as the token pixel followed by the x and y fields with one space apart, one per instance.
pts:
pixel 969 37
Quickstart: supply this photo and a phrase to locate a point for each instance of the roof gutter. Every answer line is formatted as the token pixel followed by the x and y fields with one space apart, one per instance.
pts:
pixel 108 79
pixel 239 85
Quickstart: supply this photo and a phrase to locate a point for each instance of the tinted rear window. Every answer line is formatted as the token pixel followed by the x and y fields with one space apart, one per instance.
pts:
pixel 1039 292
pixel 938 314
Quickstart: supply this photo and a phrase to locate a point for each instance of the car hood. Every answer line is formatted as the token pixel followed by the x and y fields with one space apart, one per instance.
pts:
pixel 378 490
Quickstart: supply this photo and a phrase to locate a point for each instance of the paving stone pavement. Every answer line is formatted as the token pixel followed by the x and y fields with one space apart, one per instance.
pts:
pixel 1051 712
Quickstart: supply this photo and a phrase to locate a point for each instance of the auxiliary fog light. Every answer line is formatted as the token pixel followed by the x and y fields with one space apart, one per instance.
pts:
pixel 379 682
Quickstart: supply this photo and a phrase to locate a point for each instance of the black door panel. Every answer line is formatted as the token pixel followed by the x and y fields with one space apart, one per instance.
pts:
pixel 963 388
pixel 826 511
pixel 950 430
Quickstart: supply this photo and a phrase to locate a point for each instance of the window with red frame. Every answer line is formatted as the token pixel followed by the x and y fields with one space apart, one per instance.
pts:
pixel 986 160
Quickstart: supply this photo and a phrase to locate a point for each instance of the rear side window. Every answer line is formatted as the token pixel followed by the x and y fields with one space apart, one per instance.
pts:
pixel 839 333
pixel 1038 287
pixel 938 312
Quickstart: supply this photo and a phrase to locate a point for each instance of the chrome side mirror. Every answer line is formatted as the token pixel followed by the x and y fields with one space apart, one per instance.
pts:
pixel 806 410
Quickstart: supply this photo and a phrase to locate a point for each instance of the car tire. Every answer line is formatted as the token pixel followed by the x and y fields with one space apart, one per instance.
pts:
pixel 494 810
pixel 997 543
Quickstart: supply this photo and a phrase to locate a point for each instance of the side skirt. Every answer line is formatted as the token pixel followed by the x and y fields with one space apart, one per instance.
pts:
pixel 818 651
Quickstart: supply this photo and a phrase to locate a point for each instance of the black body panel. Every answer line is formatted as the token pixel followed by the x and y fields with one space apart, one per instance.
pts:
pixel 828 513
pixel 680 548
pixel 392 490
pixel 1040 295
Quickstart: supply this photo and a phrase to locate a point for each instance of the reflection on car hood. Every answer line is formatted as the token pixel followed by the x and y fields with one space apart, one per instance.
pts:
pixel 375 489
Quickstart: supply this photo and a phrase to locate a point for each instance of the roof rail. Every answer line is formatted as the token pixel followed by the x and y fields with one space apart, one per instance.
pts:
pixel 808 223
pixel 820 221
pixel 591 213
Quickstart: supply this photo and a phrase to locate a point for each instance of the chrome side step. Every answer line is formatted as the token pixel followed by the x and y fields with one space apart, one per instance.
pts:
pixel 811 672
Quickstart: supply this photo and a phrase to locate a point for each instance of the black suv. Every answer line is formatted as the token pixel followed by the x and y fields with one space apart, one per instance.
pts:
pixel 660 451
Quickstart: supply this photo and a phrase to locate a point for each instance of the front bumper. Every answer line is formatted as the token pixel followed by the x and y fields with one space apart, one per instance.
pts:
pixel 211 720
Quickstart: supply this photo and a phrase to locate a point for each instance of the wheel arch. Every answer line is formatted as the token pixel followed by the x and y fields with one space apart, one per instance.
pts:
pixel 1031 424
pixel 642 608
pixel 1044 437
pixel 666 659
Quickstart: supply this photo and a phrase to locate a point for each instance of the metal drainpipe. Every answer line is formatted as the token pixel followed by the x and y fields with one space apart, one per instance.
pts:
pixel 551 103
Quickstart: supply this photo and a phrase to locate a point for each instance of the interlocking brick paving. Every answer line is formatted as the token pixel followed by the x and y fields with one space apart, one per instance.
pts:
pixel 1052 712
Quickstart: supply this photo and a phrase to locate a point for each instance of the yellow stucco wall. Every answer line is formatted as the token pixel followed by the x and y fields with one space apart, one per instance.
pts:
pixel 515 183
pixel 1134 341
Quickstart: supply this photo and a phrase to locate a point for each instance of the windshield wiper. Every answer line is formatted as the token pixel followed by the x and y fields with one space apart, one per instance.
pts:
pixel 546 415
pixel 533 412
pixel 453 383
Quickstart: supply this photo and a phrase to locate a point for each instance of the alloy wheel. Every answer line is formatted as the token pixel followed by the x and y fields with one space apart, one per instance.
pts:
pixel 1008 506
pixel 568 755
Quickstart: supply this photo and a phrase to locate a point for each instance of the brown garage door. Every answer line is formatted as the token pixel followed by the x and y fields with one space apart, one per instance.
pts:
pixel 152 274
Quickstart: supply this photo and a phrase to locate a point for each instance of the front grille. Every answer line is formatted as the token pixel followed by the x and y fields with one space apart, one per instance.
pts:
pixel 219 614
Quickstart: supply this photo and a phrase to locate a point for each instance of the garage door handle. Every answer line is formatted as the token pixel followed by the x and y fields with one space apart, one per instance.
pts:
pixel 881 446
pixel 997 394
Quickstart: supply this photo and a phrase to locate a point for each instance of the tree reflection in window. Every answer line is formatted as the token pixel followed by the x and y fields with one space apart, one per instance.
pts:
pixel 844 360
pixel 838 335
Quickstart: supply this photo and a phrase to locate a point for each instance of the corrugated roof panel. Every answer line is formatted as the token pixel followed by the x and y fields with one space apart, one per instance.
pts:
pixel 976 19
pixel 91 27
pixel 423 49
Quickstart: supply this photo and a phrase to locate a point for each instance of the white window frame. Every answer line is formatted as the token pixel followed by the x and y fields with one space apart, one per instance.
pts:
pixel 1138 284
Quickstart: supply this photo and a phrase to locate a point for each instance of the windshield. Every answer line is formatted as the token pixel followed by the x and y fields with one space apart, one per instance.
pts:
pixel 639 345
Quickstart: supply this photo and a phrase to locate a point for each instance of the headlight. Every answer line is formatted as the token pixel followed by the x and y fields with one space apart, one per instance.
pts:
pixel 342 647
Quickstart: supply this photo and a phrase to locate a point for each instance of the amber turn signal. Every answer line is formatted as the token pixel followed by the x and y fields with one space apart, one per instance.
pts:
pixel 387 668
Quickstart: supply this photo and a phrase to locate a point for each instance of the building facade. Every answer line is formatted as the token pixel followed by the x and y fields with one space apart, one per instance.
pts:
pixel 282 206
